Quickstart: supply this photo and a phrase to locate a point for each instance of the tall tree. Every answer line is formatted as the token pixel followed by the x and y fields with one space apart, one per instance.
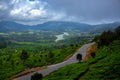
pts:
pixel 0 62
pixel 50 57
pixel 117 31
pixel 107 37
pixel 24 56
pixel 79 57
pixel 12 64
pixel 93 54
pixel 37 76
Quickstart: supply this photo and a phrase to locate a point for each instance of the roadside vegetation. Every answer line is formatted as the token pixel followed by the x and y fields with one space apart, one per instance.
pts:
pixel 105 65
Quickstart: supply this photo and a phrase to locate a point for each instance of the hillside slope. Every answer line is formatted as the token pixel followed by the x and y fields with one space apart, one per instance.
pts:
pixel 105 66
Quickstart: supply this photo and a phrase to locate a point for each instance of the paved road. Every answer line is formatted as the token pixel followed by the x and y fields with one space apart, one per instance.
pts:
pixel 54 67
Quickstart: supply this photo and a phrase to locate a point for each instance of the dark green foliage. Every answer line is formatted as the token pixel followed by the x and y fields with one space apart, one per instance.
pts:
pixel 40 55
pixel 39 60
pixel 8 59
pixel 72 45
pixel 12 64
pixel 0 62
pixel 34 61
pixel 37 76
pixel 93 54
pixel 24 55
pixel 4 58
pixel 107 37
pixel 17 63
pixel 3 43
pixel 79 57
pixel 76 45
pixel 117 31
pixel 50 57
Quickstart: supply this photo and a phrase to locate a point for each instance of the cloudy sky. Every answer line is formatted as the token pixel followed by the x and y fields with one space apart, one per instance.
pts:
pixel 40 11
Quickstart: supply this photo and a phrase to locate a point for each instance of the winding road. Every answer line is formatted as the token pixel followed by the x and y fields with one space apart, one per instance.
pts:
pixel 54 67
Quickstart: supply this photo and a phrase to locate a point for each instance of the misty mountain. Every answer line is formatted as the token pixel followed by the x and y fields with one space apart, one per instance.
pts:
pixel 64 26
pixel 52 25
pixel 57 26
pixel 105 27
pixel 6 26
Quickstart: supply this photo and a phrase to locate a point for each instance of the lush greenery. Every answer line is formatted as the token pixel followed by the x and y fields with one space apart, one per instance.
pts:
pixel 28 49
pixel 105 65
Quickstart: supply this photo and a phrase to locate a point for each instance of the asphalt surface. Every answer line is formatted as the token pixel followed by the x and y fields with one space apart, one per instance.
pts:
pixel 54 67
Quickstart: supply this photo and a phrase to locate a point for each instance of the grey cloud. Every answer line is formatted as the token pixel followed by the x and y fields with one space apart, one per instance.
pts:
pixel 28 11
pixel 85 11
pixel 90 10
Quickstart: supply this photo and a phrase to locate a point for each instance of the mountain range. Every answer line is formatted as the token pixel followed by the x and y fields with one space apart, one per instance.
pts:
pixel 6 26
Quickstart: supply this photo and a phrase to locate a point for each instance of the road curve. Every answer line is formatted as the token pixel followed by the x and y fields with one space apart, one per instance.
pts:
pixel 54 67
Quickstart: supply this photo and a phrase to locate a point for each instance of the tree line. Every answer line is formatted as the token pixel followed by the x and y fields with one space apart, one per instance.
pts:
pixel 107 37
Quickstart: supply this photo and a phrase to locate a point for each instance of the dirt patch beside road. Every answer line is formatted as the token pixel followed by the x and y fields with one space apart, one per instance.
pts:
pixel 91 49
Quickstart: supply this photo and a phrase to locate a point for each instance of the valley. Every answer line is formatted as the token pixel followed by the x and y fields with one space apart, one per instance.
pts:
pixel 25 48
pixel 59 40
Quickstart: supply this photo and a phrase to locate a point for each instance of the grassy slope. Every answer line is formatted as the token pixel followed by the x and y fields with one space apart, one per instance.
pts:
pixel 68 72
pixel 105 66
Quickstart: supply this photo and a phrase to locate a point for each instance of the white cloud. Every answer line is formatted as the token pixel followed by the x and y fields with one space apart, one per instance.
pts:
pixel 15 12
pixel 31 11
pixel 34 12
pixel 37 12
